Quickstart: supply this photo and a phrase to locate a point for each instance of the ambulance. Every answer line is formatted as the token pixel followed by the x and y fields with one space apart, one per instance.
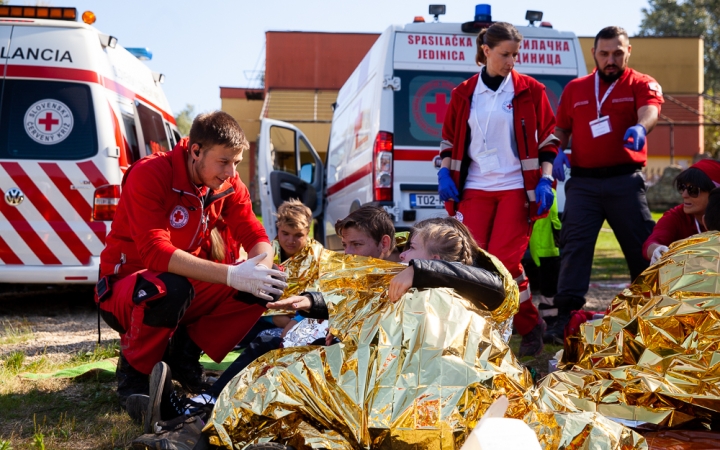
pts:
pixel 76 109
pixel 386 127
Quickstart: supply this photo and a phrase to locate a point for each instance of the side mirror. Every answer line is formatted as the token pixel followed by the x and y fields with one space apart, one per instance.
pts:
pixel 307 172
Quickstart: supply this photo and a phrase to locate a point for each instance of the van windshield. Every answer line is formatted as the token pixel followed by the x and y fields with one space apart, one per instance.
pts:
pixel 47 120
pixel 423 100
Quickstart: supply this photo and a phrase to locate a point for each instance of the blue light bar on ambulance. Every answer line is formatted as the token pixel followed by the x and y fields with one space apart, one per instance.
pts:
pixel 141 53
pixel 38 12
pixel 483 19
pixel 483 13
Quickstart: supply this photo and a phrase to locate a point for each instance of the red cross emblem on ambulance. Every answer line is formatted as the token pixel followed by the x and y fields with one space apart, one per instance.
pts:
pixel 48 121
pixel 179 217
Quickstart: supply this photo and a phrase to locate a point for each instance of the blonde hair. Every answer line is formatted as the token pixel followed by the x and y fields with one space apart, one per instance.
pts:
pixel 217 245
pixel 294 214
pixel 446 237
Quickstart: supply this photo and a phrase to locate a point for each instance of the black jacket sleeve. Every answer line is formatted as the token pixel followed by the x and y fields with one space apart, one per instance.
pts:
pixel 477 284
pixel 318 310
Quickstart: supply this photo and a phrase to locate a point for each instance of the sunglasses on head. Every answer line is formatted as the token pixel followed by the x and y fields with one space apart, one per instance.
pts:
pixel 692 191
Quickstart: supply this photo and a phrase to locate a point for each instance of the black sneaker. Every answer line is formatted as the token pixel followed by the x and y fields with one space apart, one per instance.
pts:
pixel 532 343
pixel 163 403
pixel 183 356
pixel 130 381
pixel 136 407
pixel 556 333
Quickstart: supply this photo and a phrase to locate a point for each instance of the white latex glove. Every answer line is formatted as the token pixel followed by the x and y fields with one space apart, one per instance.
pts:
pixel 256 279
pixel 657 253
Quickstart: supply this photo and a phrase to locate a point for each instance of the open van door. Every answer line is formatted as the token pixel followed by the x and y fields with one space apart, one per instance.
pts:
pixel 288 167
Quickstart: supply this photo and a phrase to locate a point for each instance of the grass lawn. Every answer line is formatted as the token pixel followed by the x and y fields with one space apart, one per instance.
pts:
pixel 60 413
pixel 609 262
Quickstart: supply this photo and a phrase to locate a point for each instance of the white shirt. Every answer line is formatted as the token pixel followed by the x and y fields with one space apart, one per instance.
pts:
pixel 500 136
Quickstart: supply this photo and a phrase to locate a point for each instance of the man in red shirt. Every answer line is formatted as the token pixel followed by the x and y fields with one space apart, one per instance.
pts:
pixel 153 285
pixel 608 114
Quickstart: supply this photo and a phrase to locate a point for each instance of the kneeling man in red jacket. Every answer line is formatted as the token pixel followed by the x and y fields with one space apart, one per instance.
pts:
pixel 166 302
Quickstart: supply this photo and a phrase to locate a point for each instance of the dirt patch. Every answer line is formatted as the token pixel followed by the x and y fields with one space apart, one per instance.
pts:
pixel 58 326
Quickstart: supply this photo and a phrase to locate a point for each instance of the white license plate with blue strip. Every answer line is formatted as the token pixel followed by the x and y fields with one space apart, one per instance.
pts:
pixel 425 201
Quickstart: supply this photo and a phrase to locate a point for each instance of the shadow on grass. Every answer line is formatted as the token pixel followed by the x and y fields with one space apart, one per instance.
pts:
pixel 65 414
pixel 609 268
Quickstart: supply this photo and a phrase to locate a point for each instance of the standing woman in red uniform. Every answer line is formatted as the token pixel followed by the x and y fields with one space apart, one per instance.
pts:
pixel 497 153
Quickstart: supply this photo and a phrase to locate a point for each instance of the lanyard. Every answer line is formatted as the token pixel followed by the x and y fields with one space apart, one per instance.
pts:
pixel 597 93
pixel 697 224
pixel 492 108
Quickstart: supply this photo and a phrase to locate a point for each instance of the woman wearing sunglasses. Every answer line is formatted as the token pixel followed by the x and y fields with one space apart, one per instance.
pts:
pixel 682 221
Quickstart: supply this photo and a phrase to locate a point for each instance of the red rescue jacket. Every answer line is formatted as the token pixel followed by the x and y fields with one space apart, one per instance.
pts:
pixel 534 124
pixel 161 210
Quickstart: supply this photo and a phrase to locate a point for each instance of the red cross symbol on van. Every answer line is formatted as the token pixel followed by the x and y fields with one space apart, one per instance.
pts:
pixel 48 121
pixel 439 108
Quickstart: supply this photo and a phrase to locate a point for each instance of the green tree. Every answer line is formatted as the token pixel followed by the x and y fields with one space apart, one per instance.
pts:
pixel 693 18
pixel 688 18
pixel 184 119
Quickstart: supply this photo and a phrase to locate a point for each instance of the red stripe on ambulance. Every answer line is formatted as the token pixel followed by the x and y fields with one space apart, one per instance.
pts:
pixel 367 169
pixel 86 76
pixel 7 255
pixel 54 219
pixel 75 198
pixel 93 173
pixel 27 233
pixel 414 155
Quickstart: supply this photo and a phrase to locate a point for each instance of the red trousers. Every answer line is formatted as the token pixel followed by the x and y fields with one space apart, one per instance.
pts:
pixel 146 308
pixel 498 220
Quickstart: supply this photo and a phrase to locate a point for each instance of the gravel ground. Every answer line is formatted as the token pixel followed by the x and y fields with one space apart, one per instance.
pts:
pixel 65 324
pixel 54 325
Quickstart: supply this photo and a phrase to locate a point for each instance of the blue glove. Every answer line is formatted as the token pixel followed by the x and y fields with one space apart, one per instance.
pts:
pixel 637 133
pixel 446 186
pixel 544 196
pixel 561 160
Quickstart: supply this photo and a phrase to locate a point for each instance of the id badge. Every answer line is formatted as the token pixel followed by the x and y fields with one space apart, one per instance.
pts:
pixel 600 126
pixel 489 161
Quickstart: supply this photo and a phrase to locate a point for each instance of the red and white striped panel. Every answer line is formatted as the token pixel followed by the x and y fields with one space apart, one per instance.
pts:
pixel 52 226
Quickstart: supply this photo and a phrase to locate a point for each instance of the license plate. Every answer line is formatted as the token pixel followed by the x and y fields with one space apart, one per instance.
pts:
pixel 425 201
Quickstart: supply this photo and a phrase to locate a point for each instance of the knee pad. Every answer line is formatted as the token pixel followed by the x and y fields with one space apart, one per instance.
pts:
pixel 166 298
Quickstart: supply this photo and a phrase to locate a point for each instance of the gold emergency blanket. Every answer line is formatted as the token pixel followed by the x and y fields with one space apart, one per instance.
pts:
pixel 415 374
pixel 654 360
pixel 303 270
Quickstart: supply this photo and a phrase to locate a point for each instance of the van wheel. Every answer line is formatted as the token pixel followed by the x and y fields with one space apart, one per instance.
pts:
pixel 355 206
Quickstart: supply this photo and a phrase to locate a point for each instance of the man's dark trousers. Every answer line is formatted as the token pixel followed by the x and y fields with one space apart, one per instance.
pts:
pixel 590 201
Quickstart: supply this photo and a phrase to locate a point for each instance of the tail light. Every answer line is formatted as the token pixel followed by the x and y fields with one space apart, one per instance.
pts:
pixel 105 202
pixel 383 167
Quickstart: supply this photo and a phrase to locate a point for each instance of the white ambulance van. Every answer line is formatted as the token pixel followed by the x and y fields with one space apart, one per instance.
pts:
pixel 75 110
pixel 386 128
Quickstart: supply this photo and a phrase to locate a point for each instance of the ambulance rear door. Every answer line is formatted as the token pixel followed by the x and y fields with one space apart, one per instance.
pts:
pixel 50 156
pixel 288 167
pixel 430 60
